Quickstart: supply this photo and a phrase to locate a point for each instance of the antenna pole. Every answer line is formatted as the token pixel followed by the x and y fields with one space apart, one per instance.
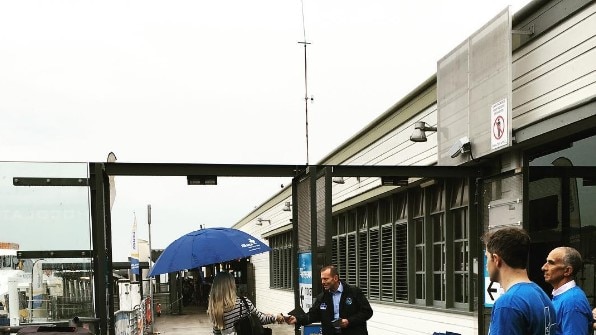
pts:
pixel 305 43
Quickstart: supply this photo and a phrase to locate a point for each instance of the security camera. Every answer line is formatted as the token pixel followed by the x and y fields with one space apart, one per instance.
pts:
pixel 460 146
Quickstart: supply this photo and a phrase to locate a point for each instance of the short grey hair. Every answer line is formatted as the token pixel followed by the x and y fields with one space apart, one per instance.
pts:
pixel 572 258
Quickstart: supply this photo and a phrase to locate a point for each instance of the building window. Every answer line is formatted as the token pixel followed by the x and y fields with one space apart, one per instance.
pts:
pixel 411 247
pixel 363 252
pixel 350 270
pixel 419 244
pixel 400 215
pixel 281 261
pixel 374 261
pixel 461 247
pixel 439 259
pixel 387 260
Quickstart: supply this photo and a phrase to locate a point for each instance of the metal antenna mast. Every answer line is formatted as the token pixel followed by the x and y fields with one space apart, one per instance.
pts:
pixel 305 43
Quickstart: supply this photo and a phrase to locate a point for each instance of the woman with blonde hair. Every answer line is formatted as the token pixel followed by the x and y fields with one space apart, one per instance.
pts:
pixel 225 306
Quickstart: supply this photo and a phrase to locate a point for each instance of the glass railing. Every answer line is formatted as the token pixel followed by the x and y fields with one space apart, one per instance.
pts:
pixel 39 221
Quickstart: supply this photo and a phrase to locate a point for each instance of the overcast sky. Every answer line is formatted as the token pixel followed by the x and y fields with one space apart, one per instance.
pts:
pixel 210 82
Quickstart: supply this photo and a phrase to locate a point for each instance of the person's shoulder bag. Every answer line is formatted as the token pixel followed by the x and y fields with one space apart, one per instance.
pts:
pixel 248 324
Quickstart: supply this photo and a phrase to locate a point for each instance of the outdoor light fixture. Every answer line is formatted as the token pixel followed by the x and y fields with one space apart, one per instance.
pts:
pixel 394 181
pixel 338 180
pixel 260 221
pixel 287 207
pixel 201 180
pixel 419 134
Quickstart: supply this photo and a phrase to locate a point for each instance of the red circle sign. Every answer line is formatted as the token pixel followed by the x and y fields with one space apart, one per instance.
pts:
pixel 499 127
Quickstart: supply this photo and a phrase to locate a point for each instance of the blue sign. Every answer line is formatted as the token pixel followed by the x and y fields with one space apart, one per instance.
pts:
pixel 305 279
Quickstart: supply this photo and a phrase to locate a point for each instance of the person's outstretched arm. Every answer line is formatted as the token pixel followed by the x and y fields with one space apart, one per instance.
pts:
pixel 263 317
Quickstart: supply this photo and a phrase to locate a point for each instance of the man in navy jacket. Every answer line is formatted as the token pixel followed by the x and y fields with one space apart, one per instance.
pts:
pixel 341 308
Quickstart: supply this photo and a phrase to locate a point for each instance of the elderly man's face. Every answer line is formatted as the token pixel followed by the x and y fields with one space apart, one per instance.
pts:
pixel 329 282
pixel 555 271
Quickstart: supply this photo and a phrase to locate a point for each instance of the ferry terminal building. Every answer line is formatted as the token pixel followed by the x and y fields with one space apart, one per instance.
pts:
pixel 510 126
pixel 521 93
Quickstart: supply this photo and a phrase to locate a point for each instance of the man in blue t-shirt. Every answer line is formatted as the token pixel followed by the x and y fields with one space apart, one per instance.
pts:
pixel 574 315
pixel 524 308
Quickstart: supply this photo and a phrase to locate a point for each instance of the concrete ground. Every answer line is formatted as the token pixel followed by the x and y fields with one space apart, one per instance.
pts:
pixel 194 321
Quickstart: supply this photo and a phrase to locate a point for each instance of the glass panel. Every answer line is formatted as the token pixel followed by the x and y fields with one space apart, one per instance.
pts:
pixel 420 292
pixel 461 288
pixel 419 223
pixel 362 220
pixel 436 194
pixel 460 226
pixel 351 222
pixel 562 211
pixel 44 218
pixel 438 231
pixel 420 258
pixel 385 211
pixel 374 215
pixel 460 255
pixel 438 257
pixel 439 286
pixel 64 291
pixel 417 203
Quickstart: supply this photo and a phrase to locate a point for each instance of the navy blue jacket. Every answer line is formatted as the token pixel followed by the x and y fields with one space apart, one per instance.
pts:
pixel 353 306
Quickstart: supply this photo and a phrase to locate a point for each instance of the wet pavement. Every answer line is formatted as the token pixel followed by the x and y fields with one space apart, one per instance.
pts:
pixel 194 320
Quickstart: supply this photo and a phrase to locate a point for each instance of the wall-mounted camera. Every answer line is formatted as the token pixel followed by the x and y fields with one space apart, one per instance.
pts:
pixel 460 146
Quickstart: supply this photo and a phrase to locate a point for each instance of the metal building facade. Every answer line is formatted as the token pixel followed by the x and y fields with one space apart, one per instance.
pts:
pixel 373 230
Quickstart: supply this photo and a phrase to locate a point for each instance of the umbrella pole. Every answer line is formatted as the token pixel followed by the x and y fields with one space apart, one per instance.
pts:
pixel 150 277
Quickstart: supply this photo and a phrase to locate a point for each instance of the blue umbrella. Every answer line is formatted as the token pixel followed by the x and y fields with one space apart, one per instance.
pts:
pixel 207 246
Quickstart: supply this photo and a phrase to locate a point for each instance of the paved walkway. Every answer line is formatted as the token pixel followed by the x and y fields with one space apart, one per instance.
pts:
pixel 194 321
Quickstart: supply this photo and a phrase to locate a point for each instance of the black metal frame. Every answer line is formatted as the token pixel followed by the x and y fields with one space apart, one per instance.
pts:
pixel 98 183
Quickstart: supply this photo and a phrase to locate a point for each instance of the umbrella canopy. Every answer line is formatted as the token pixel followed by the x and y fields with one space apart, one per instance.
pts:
pixel 207 246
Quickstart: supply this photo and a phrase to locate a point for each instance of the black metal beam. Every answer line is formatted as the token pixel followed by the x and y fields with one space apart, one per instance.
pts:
pixel 31 181
pixel 538 172
pixel 264 170
pixel 405 171
pixel 27 254
pixel 126 265
pixel 101 258
pixel 190 169
pixel 240 170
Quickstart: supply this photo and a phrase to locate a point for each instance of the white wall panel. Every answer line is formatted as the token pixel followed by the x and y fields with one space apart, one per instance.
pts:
pixel 411 321
pixel 269 300
pixel 557 71
pixel 395 148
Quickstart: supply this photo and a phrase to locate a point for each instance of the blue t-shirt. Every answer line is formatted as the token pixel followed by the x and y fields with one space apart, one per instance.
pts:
pixel 525 310
pixel 574 315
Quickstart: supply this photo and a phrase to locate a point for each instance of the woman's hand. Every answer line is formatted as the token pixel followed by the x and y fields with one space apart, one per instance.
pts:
pixel 279 318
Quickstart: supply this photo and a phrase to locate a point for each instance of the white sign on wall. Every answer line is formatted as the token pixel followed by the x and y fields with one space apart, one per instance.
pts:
pixel 499 128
